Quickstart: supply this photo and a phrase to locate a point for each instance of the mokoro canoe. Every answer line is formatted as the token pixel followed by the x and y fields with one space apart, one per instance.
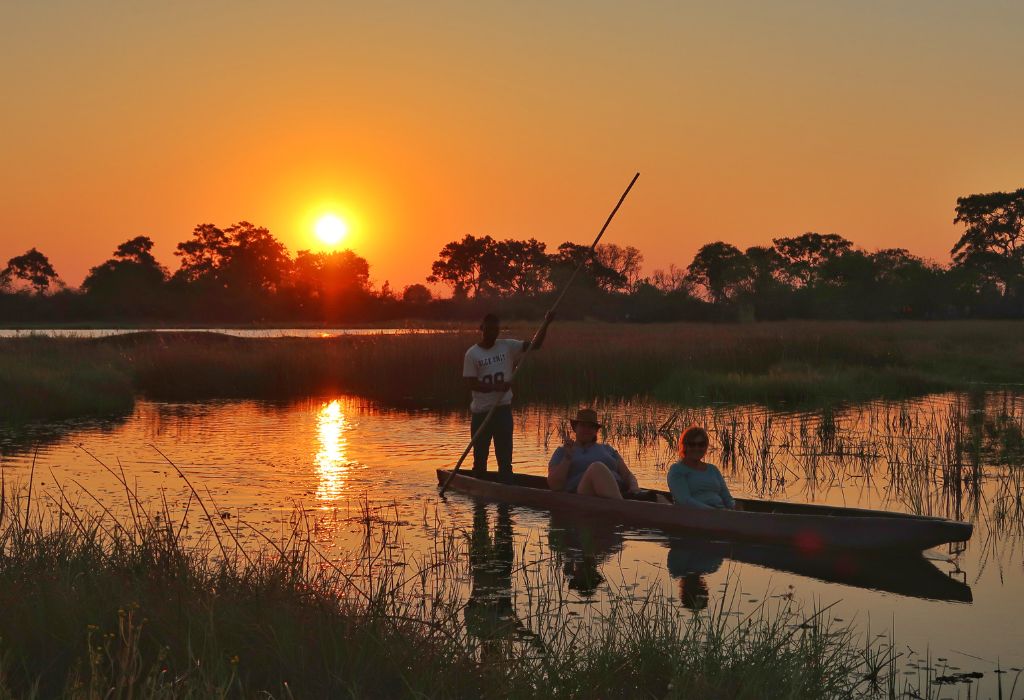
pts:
pixel 810 528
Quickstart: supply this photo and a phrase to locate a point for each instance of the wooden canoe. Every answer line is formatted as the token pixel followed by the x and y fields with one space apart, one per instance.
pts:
pixel 810 528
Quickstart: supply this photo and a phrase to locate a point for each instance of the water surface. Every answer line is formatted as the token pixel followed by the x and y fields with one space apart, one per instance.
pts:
pixel 335 458
pixel 237 332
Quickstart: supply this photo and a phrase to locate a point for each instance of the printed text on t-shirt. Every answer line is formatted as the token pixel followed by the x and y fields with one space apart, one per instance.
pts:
pixel 493 359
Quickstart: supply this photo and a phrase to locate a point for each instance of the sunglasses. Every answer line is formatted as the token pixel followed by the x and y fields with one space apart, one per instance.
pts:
pixel 696 443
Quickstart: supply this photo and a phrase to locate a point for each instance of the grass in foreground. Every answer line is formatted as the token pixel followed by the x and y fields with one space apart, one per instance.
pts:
pixel 99 608
pixel 789 363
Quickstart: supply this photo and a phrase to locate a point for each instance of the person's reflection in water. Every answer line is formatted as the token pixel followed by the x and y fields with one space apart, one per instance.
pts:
pixel 583 545
pixel 690 564
pixel 490 615
pixel 693 592
pixel 584 575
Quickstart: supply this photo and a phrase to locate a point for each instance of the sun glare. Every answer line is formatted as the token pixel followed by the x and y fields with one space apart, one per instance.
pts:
pixel 332 464
pixel 330 229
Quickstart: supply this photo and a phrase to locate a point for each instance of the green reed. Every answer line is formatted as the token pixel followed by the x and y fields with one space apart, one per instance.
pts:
pixel 48 379
pixel 786 363
pixel 115 602
pixel 954 455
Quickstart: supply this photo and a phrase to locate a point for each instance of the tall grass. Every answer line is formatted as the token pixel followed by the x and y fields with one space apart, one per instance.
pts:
pixel 119 605
pixel 40 378
pixel 957 455
pixel 791 363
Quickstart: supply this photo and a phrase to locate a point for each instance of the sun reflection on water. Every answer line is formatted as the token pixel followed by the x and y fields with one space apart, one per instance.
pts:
pixel 331 460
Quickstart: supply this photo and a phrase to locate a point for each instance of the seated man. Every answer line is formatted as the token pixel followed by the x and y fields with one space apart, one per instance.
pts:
pixel 582 465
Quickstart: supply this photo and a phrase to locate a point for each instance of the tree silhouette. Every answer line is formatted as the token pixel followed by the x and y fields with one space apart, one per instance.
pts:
pixel 844 286
pixel 908 285
pixel 802 256
pixel 256 261
pixel 670 281
pixel 244 259
pixel 594 271
pixel 992 245
pixel 243 273
pixel 202 256
pixel 33 268
pixel 386 293
pixel 625 262
pixel 330 280
pixel 417 295
pixel 131 272
pixel 479 266
pixel 465 265
pixel 719 269
pixel 765 271
pixel 518 267
pixel 763 284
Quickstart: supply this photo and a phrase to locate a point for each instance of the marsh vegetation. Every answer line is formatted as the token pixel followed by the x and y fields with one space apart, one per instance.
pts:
pixel 105 605
pixel 789 364
pixel 127 596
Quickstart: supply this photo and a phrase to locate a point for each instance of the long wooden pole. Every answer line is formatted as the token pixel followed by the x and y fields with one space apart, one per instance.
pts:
pixel 543 326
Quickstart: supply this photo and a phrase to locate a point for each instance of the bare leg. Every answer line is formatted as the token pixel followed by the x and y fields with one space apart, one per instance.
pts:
pixel 598 481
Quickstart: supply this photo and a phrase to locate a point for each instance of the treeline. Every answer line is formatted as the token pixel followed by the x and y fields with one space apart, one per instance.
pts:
pixel 243 274
pixel 238 274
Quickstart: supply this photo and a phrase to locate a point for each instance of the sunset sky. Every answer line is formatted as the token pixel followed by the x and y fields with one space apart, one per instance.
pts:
pixel 421 122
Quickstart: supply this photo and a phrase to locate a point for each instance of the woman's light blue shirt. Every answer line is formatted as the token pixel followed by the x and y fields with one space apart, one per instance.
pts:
pixel 699 489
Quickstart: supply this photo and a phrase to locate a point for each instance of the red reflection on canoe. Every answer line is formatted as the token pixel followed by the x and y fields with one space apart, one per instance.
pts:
pixel 809 542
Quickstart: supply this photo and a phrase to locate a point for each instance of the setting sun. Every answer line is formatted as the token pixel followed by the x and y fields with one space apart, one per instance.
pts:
pixel 330 229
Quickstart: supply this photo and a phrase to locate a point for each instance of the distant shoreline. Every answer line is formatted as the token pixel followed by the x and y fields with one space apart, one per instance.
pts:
pixel 471 324
pixel 172 326
pixel 269 332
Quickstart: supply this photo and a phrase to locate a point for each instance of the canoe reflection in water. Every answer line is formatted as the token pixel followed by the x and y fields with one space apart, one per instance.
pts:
pixel 489 613
pixel 910 575
pixel 582 546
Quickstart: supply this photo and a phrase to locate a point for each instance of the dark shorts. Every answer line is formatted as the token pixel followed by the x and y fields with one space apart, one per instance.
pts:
pixel 573 484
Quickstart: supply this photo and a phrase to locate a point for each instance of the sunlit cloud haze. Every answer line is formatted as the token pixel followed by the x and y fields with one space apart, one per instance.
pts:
pixel 421 122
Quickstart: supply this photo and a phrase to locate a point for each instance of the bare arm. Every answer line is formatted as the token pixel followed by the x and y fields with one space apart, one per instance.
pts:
pixel 538 340
pixel 558 471
pixel 727 498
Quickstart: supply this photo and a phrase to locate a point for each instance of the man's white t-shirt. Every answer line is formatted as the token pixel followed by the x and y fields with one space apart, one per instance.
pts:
pixel 494 364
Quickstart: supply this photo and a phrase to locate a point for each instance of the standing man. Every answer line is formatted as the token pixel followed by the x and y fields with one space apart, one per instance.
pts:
pixel 486 369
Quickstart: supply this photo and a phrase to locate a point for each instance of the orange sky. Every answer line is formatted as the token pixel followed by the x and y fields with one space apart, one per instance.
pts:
pixel 427 121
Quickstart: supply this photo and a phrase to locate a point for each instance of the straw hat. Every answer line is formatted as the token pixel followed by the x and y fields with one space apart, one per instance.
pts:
pixel 585 415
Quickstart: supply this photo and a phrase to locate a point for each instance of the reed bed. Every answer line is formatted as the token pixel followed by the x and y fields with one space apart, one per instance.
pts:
pixel 786 363
pixel 42 379
pixel 115 603
pixel 956 455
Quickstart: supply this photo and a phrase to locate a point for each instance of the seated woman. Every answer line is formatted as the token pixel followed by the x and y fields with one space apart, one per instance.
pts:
pixel 582 465
pixel 693 482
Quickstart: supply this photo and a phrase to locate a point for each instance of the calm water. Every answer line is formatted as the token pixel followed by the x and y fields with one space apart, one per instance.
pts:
pixel 330 457
pixel 237 332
